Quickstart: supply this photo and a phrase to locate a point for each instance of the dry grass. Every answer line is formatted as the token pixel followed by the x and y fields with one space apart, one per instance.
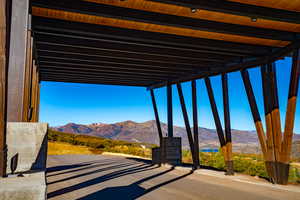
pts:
pixel 60 148
pixel 297 165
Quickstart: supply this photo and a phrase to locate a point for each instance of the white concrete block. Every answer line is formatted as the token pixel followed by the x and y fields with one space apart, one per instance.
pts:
pixel 30 187
pixel 29 140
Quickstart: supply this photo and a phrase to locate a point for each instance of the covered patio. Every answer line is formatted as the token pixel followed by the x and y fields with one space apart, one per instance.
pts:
pixel 153 44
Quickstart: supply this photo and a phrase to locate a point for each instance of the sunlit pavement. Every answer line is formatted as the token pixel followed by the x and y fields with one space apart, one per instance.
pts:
pixel 111 177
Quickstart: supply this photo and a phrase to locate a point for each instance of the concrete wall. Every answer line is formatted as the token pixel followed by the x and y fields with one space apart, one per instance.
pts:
pixel 29 141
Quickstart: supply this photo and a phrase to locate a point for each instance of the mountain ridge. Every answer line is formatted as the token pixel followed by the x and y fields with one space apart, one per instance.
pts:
pixel 146 132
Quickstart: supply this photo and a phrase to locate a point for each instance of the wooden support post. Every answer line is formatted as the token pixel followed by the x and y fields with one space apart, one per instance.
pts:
pixel 270 157
pixel 27 108
pixel 160 135
pixel 17 61
pixel 156 115
pixel 5 8
pixel 187 124
pixel 38 99
pixel 195 124
pixel 170 111
pixel 229 161
pixel 290 117
pixel 276 122
pixel 34 94
pixel 216 117
pixel 254 111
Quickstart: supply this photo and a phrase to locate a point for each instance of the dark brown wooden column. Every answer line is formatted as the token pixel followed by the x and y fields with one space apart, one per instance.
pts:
pixel 254 111
pixel 17 62
pixel 229 161
pixel 290 117
pixel 215 112
pixel 216 118
pixel 34 94
pixel 27 108
pixel 276 122
pixel 270 157
pixel 170 111
pixel 38 99
pixel 195 124
pixel 5 9
pixel 160 135
pixel 187 124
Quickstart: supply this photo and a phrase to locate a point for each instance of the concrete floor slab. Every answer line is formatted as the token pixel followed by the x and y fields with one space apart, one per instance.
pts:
pixel 85 177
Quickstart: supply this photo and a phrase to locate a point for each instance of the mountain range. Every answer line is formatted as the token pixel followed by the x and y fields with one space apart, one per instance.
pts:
pixel 146 132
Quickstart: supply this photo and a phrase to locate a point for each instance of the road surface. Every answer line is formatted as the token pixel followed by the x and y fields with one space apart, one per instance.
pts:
pixel 93 177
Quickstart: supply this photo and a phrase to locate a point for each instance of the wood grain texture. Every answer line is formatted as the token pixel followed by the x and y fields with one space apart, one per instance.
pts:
pixel 3 85
pixel 17 61
pixel 205 14
pixel 34 93
pixel 76 17
pixel 293 5
pixel 291 108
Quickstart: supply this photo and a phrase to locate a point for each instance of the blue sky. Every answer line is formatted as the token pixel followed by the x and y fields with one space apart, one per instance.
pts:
pixel 62 103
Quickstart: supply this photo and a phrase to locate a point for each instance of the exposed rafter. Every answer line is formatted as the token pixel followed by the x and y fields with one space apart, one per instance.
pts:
pixel 144 37
pixel 109 11
pixel 239 9
pixel 231 67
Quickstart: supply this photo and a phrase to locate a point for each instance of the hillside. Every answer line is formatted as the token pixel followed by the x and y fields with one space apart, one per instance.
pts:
pixel 243 141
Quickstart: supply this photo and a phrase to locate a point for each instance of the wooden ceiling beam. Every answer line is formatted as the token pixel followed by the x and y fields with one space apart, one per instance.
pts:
pixel 46 73
pixel 108 70
pixel 240 9
pixel 121 34
pixel 97 54
pixel 114 12
pixel 115 67
pixel 97 73
pixel 49 56
pixel 74 41
pixel 272 57
pixel 86 81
